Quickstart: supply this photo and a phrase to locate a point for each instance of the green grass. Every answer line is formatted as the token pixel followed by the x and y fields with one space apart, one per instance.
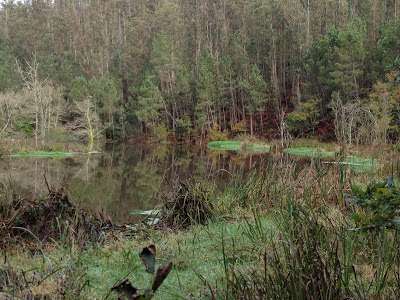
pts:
pixel 204 249
pixel 236 146
pixel 49 154
pixel 43 154
pixel 308 151
pixel 359 164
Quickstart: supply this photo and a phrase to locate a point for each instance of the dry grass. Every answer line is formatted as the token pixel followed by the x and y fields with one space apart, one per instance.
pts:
pixel 55 217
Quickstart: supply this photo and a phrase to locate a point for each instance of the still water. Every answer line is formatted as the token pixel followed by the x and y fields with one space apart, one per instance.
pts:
pixel 123 178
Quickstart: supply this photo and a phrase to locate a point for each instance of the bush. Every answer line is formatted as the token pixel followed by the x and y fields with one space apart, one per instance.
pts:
pixel 217 135
pixel 188 204
pixel 239 128
pixel 380 205
pixel 161 132
pixel 57 134
pixel 25 125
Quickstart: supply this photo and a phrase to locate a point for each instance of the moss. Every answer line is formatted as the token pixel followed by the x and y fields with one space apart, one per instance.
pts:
pixel 359 164
pixel 308 151
pixel 42 154
pixel 236 146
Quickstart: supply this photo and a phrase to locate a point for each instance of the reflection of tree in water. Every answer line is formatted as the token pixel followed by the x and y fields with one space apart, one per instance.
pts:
pixel 148 181
pixel 123 178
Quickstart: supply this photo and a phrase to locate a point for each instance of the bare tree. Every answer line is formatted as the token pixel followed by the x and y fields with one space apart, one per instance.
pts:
pixel 6 111
pixel 347 116
pixel 47 98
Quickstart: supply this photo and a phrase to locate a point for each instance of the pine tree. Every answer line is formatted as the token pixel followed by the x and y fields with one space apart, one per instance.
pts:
pixel 256 88
pixel 150 103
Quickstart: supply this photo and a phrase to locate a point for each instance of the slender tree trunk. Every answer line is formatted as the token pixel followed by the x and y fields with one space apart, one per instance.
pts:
pixel 90 131
pixel 251 124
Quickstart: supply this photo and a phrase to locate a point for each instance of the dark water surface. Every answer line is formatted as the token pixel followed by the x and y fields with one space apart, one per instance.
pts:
pixel 123 178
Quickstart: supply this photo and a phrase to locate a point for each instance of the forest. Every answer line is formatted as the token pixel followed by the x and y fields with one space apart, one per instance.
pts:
pixel 182 69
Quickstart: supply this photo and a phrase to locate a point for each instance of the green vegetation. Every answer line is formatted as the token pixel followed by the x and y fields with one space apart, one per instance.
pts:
pixel 42 154
pixel 237 146
pixel 361 163
pixel 381 203
pixel 307 151
pixel 356 163
pixel 283 231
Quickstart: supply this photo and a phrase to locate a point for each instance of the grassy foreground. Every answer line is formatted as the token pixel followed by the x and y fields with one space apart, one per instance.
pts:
pixel 280 233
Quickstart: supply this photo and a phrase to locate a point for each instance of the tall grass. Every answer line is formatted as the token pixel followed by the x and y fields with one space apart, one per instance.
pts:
pixel 313 254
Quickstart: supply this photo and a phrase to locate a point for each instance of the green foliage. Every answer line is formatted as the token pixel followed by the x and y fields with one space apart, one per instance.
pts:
pixel 25 125
pixel 9 78
pixel 214 63
pixel 307 151
pixel 239 128
pixel 166 56
pixel 386 49
pixel 149 102
pixel 161 132
pixel 217 135
pixel 304 117
pixel 336 61
pixel 256 87
pixel 206 91
pixel 183 128
pixel 379 205
pixel 79 89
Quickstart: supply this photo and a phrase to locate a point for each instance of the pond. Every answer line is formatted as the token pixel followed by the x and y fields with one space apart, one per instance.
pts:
pixel 123 178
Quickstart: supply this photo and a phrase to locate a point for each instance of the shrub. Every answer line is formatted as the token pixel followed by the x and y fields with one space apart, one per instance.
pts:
pixel 188 204
pixel 161 132
pixel 57 134
pixel 380 205
pixel 239 128
pixel 217 135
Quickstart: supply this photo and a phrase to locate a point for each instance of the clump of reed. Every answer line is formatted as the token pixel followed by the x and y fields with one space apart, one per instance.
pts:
pixel 187 204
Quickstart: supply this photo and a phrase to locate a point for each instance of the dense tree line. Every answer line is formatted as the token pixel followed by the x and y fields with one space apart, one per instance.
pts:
pixel 118 67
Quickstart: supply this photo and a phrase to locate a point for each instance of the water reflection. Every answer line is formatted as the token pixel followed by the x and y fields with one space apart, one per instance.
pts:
pixel 123 178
